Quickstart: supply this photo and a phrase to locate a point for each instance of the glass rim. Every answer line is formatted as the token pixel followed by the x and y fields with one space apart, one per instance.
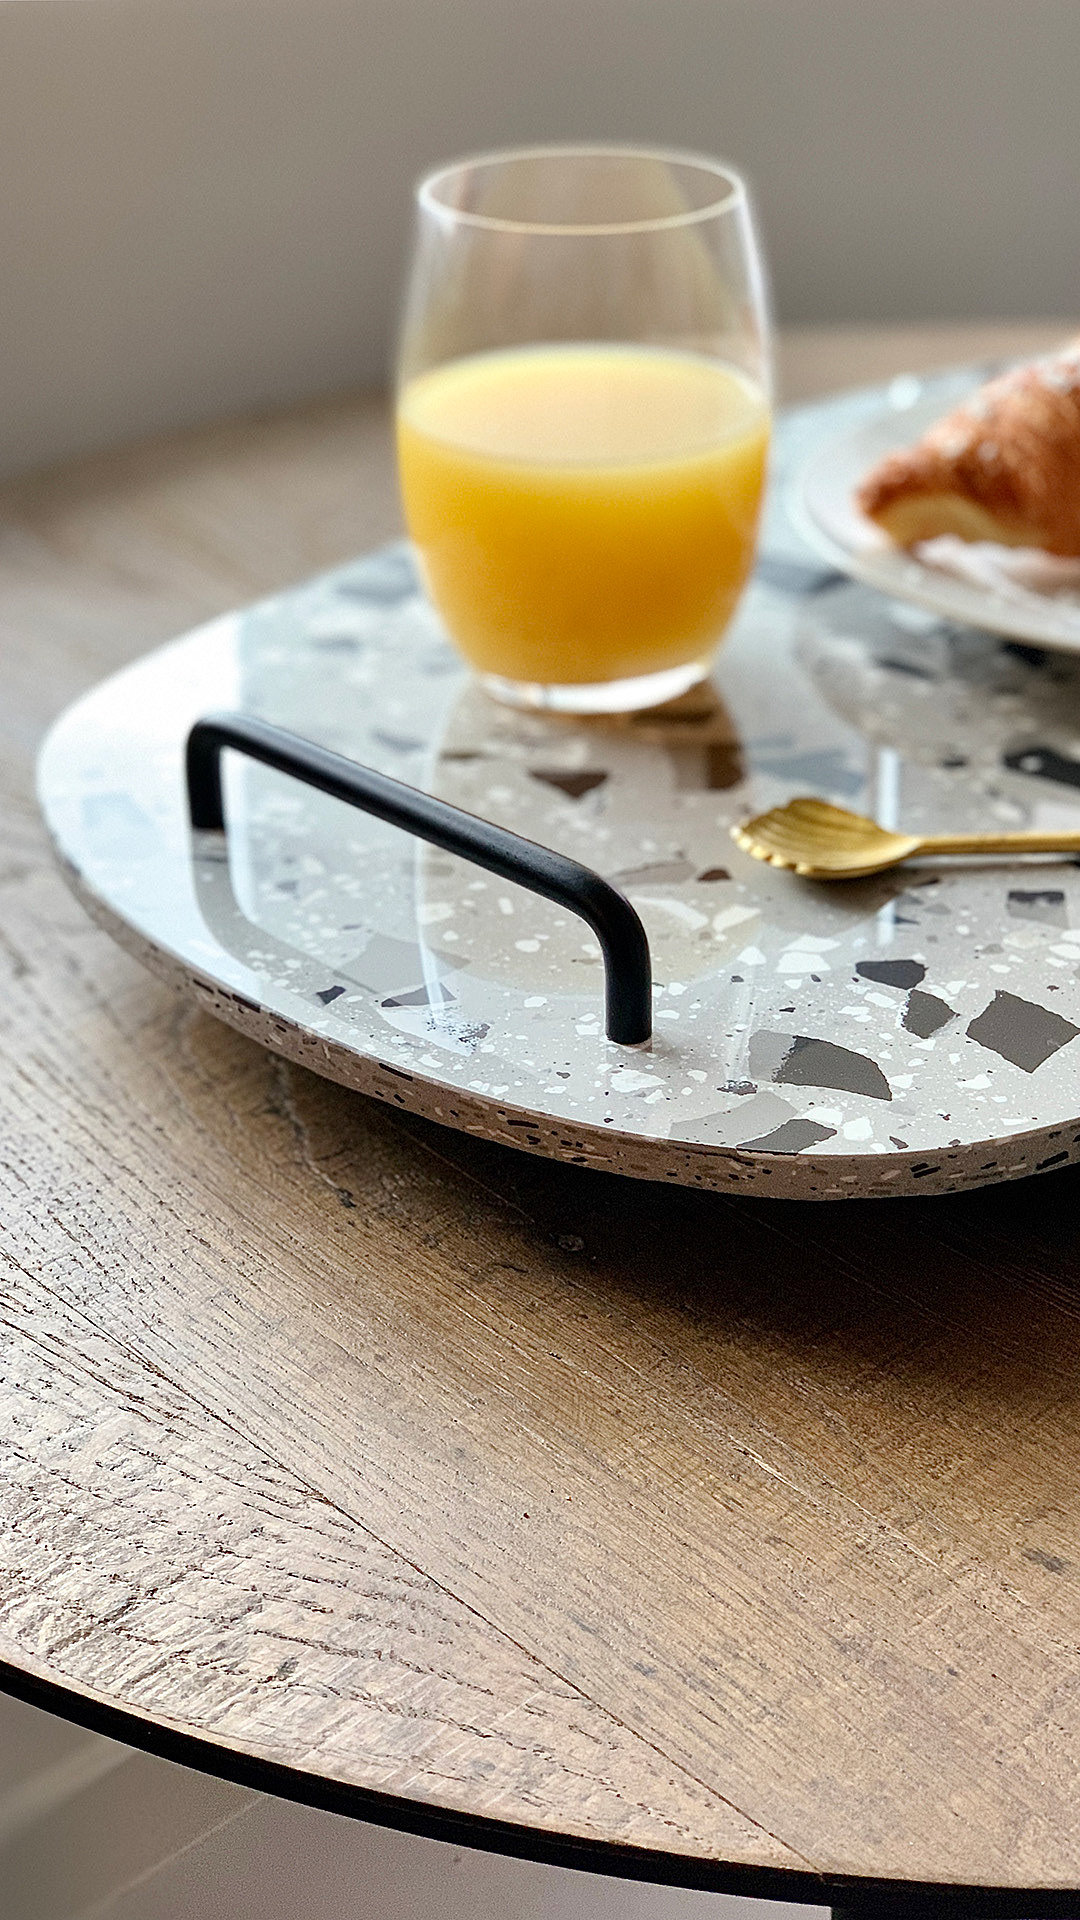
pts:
pixel 734 195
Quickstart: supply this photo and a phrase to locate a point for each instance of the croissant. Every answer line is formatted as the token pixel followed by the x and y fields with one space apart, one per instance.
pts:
pixel 1004 466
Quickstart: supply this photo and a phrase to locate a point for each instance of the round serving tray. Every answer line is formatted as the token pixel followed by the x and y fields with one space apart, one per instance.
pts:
pixel 909 1034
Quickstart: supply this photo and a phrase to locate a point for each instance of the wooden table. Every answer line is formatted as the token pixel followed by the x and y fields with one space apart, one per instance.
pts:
pixel 717 1542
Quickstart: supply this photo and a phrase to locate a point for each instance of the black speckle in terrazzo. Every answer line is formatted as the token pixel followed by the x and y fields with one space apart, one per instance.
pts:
pixel 421 997
pixel 1047 905
pixel 713 873
pixel 1021 1031
pixel 1044 764
pixel 893 664
pixel 574 785
pixel 471 1036
pixel 238 1000
pixel 799 1060
pixel 1031 656
pixel 792 1137
pixel 902 1144
pixel 892 973
pixel 925 1014
pixel 329 993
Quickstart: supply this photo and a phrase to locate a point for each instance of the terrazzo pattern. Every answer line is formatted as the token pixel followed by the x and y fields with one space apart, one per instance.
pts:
pixel 916 1032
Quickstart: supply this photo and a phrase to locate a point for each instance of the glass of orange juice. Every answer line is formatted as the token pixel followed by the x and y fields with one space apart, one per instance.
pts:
pixel 583 417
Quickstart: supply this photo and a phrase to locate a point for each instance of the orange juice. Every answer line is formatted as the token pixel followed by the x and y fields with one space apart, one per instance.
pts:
pixel 583 513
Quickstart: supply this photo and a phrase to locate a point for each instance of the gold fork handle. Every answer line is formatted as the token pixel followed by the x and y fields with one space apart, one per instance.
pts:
pixel 1029 842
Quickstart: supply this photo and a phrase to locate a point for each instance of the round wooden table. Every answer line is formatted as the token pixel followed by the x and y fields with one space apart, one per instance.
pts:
pixel 717 1542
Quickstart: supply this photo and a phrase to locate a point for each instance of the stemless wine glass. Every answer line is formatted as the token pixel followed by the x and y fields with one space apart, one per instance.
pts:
pixel 583 417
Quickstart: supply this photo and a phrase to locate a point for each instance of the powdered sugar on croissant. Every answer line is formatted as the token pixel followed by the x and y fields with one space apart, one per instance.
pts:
pixel 1004 466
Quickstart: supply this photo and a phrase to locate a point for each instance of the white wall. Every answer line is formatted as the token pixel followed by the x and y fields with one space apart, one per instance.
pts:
pixel 204 203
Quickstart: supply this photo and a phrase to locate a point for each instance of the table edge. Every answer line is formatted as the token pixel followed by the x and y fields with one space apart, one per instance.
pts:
pixel 113 1720
pixel 853 1893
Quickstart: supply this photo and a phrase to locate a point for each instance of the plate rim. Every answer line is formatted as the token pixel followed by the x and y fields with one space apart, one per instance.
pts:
pixel 964 603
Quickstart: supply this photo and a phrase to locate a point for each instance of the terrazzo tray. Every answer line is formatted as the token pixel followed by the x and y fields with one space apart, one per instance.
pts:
pixel 912 1033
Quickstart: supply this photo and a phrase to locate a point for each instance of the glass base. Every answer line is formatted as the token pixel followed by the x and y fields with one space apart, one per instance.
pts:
pixel 601 696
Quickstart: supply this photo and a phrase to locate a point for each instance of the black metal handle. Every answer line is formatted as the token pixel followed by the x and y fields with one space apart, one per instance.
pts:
pixel 627 963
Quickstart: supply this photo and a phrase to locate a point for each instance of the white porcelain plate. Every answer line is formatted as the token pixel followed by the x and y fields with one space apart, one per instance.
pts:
pixel 1026 596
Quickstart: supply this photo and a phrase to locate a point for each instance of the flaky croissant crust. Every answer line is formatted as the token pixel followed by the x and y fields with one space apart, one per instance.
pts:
pixel 1003 466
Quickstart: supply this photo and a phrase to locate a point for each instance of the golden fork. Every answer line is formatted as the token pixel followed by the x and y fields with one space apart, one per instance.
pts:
pixel 823 842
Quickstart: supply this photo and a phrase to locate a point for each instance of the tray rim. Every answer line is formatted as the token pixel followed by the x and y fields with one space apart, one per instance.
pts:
pixel 802 1176
pixel 503 1121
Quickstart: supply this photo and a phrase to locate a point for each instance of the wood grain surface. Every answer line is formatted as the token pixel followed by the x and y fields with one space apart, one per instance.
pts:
pixel 709 1539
